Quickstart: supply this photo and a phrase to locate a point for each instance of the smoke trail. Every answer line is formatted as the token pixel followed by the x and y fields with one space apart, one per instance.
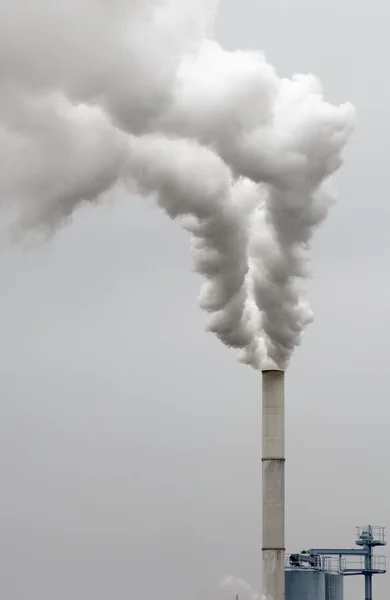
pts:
pixel 198 184
pixel 99 92
pixel 235 585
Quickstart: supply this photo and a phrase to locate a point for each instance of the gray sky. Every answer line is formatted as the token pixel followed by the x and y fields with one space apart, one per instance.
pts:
pixel 130 439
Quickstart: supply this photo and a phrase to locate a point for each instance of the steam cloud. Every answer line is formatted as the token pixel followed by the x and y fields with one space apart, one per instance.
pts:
pixel 96 93
pixel 235 585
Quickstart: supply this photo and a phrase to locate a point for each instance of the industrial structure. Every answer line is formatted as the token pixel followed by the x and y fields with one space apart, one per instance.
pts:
pixel 319 573
pixel 316 574
pixel 273 546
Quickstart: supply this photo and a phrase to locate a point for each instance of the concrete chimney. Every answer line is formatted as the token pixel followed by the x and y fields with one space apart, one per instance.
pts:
pixel 273 460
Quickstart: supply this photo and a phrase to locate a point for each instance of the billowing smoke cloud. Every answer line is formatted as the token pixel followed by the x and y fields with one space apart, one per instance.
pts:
pixel 95 93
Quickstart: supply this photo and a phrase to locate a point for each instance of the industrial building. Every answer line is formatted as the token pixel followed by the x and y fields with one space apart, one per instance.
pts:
pixel 317 573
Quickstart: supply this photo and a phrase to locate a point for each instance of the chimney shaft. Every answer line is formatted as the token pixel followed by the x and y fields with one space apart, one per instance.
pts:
pixel 273 484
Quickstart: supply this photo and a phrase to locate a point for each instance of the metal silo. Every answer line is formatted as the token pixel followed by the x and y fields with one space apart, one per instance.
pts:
pixel 334 586
pixel 305 584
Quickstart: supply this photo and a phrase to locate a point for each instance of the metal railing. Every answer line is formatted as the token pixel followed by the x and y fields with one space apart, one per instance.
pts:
pixel 353 564
pixel 327 564
pixel 377 534
pixel 338 565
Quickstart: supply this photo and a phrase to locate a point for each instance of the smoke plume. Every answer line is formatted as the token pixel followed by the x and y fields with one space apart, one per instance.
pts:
pixel 239 587
pixel 95 93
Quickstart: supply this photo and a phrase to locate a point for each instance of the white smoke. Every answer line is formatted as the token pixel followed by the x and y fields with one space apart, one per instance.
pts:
pixel 236 586
pixel 99 92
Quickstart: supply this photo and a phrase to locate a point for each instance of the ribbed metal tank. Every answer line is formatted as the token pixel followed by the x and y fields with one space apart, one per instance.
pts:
pixel 305 584
pixel 312 584
pixel 334 586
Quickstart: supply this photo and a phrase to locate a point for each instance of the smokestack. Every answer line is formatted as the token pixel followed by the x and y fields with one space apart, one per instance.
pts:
pixel 273 484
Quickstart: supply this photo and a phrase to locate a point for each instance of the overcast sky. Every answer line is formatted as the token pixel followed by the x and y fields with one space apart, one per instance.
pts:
pixel 130 438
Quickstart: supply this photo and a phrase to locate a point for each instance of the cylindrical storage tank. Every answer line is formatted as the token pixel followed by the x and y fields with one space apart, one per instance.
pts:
pixel 305 584
pixel 334 586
